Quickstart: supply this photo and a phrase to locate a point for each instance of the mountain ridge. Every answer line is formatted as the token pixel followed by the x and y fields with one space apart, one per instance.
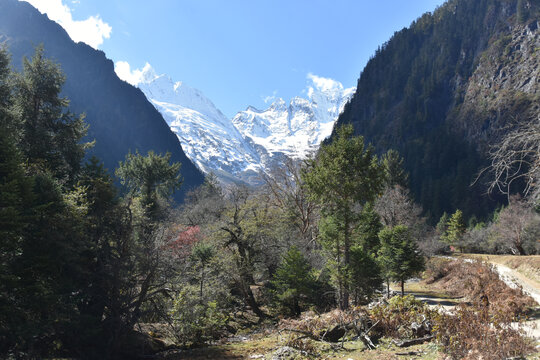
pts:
pixel 120 117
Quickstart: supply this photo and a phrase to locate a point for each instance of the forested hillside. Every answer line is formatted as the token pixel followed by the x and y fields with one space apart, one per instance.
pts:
pixel 445 89
pixel 120 117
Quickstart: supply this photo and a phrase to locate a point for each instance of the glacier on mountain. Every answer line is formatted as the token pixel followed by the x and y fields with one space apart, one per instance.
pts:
pixel 253 141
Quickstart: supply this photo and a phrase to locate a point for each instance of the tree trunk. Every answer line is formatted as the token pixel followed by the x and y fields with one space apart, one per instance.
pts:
pixel 250 299
pixel 201 285
pixel 296 305
pixel 519 246
pixel 346 261
pixel 402 287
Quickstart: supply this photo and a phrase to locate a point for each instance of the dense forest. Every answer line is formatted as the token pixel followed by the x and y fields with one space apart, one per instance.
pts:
pixel 444 90
pixel 86 268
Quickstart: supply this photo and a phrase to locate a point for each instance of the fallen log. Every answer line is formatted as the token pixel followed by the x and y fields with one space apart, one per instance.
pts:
pixel 306 334
pixel 336 333
pixel 411 342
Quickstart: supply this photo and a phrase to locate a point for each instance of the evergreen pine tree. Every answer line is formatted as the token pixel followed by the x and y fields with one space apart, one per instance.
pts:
pixel 365 274
pixel 394 170
pixel 51 135
pixel 399 256
pixel 456 228
pixel 369 226
pixel 150 177
pixel 345 173
pixel 294 281
pixel 15 209
pixel 442 225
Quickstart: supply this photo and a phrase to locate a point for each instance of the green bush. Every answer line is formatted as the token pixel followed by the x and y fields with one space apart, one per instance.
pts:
pixel 396 317
pixel 196 322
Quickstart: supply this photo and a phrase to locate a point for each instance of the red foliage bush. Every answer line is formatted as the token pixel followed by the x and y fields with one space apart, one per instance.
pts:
pixel 184 241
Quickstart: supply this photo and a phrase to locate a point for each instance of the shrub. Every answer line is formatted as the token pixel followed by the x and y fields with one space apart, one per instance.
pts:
pixel 397 316
pixel 476 332
pixel 196 322
pixel 294 282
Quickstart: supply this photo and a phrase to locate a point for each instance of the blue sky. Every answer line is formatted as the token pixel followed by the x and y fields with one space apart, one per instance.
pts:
pixel 239 52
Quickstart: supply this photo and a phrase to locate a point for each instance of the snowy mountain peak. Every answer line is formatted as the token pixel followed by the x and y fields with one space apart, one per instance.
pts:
pixel 278 104
pixel 299 127
pixel 254 140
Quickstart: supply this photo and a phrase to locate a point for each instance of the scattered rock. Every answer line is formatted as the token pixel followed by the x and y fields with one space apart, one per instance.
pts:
pixel 286 352
pixel 421 329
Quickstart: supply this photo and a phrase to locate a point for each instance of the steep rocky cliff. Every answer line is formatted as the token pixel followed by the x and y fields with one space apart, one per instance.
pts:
pixel 445 89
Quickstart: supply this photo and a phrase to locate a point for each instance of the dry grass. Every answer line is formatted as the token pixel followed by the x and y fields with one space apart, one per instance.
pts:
pixel 529 266
pixel 473 280
pixel 479 332
pixel 266 345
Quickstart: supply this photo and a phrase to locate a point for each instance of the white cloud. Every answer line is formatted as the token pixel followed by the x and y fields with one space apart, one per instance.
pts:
pixel 322 84
pixel 91 31
pixel 136 76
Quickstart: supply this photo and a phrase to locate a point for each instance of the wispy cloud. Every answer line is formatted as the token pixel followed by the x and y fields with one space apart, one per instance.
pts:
pixel 325 85
pixel 270 98
pixel 91 31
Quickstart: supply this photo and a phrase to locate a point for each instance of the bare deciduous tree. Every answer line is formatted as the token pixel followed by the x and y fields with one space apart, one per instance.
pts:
pixel 285 186
pixel 512 224
pixel 396 207
pixel 517 157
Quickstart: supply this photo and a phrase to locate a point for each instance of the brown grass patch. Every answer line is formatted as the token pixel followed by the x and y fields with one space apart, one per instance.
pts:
pixel 528 266
pixel 473 281
pixel 478 332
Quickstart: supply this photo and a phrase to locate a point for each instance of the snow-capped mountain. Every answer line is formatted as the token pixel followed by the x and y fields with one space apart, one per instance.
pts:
pixel 296 128
pixel 239 149
pixel 207 136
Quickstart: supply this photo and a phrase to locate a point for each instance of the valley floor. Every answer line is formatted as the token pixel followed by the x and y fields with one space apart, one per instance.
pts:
pixel 270 343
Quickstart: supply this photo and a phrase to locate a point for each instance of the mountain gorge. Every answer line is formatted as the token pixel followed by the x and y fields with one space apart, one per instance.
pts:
pixel 444 90
pixel 254 140
pixel 441 92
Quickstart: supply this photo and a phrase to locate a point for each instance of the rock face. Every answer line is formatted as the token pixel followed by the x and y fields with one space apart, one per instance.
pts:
pixel 254 140
pixel 504 88
pixel 444 90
